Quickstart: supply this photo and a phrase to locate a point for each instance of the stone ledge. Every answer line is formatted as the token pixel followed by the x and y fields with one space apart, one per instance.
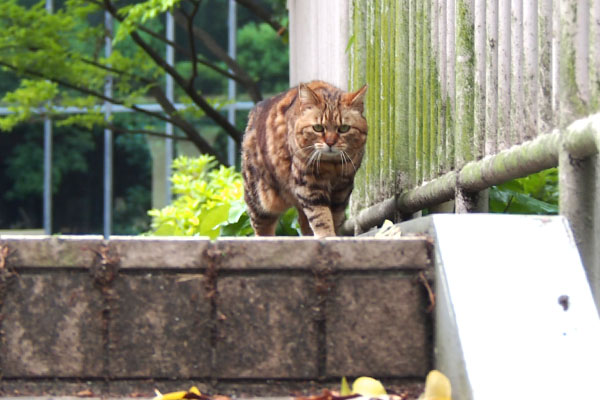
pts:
pixel 261 310
pixel 227 253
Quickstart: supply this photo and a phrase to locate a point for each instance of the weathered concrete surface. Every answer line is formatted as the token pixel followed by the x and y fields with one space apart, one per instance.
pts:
pixel 126 315
pixel 159 326
pixel 52 251
pixel 266 327
pixel 377 325
pixel 52 326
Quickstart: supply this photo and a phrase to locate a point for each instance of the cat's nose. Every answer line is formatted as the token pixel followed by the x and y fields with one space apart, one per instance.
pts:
pixel 331 139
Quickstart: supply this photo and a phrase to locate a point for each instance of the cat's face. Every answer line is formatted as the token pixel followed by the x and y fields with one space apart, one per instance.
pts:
pixel 331 124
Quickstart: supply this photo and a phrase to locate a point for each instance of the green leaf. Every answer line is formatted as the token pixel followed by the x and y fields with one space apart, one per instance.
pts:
pixel 168 229
pixel 345 388
pixel 212 219
pixel 238 208
pixel 509 201
pixel 350 43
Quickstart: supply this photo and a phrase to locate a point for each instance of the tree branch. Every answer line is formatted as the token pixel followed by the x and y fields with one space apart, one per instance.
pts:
pixel 190 27
pixel 263 14
pixel 119 129
pixel 173 118
pixel 184 125
pixel 85 90
pixel 196 98
pixel 245 79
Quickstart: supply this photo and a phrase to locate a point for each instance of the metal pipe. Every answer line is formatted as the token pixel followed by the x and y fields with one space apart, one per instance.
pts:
pixel 47 176
pixel 231 88
pixel 117 108
pixel 580 140
pixel 108 139
pixel 47 201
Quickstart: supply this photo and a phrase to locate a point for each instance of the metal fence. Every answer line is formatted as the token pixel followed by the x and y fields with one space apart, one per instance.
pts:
pixel 467 94
pixel 107 108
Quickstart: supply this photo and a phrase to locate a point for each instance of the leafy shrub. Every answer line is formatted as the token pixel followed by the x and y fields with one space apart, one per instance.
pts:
pixel 533 194
pixel 209 202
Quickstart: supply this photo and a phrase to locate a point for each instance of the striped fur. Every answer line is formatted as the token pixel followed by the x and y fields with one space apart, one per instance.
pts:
pixel 294 155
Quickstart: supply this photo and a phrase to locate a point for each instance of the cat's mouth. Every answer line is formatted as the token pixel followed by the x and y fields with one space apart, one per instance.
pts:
pixel 330 152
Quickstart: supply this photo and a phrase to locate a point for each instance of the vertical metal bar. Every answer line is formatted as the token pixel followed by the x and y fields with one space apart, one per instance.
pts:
pixel 371 101
pixel 169 92
pixel 377 80
pixel 491 78
pixel 383 42
pixel 451 84
pixel 504 65
pixel 556 33
pixel 358 78
pixel 465 64
pixel 390 103
pixel 412 93
pixel 545 119
pixel 516 72
pixel 479 92
pixel 402 67
pixel 419 92
pixel 530 68
pixel 582 41
pixel 595 53
pixel 441 147
pixel 47 201
pixel 425 90
pixel 47 175
pixel 108 139
pixel 434 96
pixel 231 89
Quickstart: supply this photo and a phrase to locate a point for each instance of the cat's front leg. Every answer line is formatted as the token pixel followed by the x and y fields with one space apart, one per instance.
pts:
pixel 320 220
pixel 315 205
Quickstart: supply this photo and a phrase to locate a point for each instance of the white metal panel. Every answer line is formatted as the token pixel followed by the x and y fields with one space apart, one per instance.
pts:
pixel 517 293
pixel 318 41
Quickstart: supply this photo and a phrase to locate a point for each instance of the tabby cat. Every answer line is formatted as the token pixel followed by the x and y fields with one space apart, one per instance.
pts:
pixel 301 149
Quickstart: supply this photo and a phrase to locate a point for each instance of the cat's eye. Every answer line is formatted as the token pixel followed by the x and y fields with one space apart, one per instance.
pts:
pixel 343 128
pixel 318 128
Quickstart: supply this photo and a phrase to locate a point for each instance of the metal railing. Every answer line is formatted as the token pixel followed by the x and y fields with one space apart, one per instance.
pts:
pixel 107 108
pixel 464 95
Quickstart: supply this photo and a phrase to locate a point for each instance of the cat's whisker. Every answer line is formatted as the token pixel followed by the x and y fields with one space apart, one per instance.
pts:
pixel 343 159
pixel 319 162
pixel 304 148
pixel 312 159
pixel 350 159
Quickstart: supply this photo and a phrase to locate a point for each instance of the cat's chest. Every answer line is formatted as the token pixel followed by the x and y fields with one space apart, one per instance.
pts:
pixel 325 174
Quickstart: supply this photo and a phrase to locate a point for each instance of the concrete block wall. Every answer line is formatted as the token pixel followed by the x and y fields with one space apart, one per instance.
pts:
pixel 254 316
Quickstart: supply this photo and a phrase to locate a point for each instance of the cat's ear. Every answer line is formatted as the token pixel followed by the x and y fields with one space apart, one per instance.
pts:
pixel 307 96
pixel 356 99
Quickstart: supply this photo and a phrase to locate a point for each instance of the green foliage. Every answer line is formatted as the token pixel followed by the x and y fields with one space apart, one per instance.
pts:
pixel 264 55
pixel 533 194
pixel 140 13
pixel 25 165
pixel 209 202
pixel 62 55
pixel 30 95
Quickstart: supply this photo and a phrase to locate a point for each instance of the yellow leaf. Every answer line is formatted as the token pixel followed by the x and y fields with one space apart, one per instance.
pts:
pixel 367 386
pixel 170 396
pixel 437 387
pixel 345 388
